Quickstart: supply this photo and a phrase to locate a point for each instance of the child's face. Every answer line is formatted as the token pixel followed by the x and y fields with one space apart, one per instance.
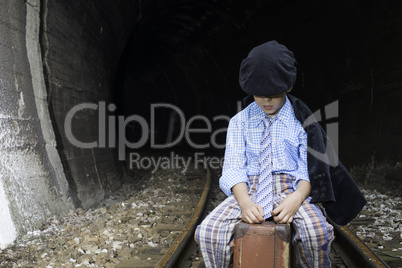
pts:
pixel 271 105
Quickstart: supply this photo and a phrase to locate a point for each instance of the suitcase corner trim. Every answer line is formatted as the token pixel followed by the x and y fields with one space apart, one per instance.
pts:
pixel 241 228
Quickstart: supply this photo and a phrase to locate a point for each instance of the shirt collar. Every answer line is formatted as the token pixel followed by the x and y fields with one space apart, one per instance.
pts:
pixel 284 115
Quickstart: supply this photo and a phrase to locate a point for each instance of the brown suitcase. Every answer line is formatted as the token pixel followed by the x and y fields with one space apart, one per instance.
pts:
pixel 262 245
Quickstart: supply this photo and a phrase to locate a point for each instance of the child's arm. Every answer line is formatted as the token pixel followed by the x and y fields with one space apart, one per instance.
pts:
pixel 250 211
pixel 289 205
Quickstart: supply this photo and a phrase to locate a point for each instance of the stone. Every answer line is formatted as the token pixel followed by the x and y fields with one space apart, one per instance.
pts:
pixel 114 260
pixel 164 233
pixel 74 254
pixel 94 240
pixel 101 255
pixel 125 219
pixel 97 226
pixel 70 243
pixel 103 210
pixel 89 248
pixel 117 245
pixel 156 238
pixel 109 254
pixel 125 253
pixel 132 239
pixel 85 257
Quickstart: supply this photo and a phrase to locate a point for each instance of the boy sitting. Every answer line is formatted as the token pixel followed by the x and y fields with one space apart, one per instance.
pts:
pixel 267 171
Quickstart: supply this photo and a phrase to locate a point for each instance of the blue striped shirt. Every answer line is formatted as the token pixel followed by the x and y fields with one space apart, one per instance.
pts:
pixel 289 146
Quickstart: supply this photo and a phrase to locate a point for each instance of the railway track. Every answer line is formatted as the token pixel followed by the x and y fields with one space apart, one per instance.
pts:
pixel 348 251
pixel 183 246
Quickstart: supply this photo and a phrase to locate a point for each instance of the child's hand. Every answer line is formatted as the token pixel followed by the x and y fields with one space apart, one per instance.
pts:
pixel 287 208
pixel 251 212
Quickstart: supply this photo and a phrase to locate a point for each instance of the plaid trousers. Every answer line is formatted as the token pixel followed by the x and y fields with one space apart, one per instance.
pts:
pixel 312 238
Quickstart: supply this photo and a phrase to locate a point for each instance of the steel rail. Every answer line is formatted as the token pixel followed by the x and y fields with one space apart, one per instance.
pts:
pixel 354 252
pixel 171 256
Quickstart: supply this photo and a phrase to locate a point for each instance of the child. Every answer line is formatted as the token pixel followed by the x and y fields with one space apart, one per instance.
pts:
pixel 268 174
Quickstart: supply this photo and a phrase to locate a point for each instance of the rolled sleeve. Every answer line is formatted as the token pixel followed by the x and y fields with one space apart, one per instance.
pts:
pixel 231 178
pixel 234 166
pixel 302 168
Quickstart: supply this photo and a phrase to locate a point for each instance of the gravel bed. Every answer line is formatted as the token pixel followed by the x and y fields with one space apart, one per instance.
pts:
pixel 379 225
pixel 122 227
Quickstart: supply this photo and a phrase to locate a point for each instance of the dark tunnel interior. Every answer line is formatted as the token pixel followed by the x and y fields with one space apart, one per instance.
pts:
pixel 187 53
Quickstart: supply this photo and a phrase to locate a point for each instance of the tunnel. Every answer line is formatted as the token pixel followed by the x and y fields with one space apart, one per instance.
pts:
pixel 85 82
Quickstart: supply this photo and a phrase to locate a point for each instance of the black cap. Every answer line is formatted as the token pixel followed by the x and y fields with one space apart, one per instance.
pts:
pixel 269 69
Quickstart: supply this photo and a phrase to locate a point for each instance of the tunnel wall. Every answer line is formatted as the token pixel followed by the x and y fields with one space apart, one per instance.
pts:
pixel 56 55
pixel 82 42
pixel 32 183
